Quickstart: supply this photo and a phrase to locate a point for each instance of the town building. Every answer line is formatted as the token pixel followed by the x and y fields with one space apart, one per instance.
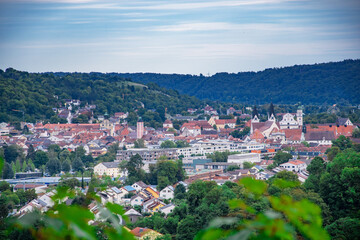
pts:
pixel 146 154
pixel 108 168
pixel 294 166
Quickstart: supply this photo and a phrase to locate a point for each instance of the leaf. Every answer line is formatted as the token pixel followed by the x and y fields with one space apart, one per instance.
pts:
pixel 256 187
pixel 115 208
pixel 281 183
pixel 218 222
pixel 243 234
pixel 1 164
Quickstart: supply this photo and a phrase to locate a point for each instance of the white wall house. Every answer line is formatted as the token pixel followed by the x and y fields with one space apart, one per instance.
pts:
pixel 167 193
pixel 294 166
pixel 108 168
pixel 167 208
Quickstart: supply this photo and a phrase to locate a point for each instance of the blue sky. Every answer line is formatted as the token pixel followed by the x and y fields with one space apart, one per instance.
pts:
pixel 176 36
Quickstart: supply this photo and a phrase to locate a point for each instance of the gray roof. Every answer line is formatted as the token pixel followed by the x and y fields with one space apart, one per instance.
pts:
pixel 341 121
pixel 111 164
pixel 319 136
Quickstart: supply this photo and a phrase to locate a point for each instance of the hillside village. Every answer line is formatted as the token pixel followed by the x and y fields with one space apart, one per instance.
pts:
pixel 197 143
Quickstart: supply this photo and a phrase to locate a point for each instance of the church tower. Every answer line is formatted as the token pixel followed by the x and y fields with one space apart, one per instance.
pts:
pixel 299 116
pixel 255 116
pixel 271 116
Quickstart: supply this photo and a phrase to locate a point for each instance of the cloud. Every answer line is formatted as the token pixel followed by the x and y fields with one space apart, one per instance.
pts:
pixel 177 6
pixel 50 1
pixel 224 26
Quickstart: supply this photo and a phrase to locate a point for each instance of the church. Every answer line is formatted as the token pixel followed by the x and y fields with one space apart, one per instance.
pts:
pixel 289 128
pixel 263 128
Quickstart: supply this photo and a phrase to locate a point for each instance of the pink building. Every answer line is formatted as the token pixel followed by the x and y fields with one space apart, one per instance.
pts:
pixel 140 130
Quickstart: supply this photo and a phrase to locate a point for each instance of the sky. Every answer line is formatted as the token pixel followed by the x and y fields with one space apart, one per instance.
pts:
pixel 188 37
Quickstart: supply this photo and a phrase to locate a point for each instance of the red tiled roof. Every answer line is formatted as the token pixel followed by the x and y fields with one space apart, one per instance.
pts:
pixel 296 162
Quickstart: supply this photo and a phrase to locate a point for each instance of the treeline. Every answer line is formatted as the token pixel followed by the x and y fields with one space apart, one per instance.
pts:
pixel 31 96
pixel 49 163
pixel 326 83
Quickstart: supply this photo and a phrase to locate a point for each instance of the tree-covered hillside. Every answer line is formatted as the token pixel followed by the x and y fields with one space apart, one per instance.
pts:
pixel 36 94
pixel 329 83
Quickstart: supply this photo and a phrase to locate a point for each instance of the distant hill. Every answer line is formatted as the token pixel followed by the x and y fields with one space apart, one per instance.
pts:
pixel 36 94
pixel 326 83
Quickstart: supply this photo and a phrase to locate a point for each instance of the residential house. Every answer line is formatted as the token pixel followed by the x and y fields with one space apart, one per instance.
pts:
pixel 137 200
pixel 294 166
pixel 139 186
pixel 133 215
pixel 167 208
pixel 167 193
pixel 153 205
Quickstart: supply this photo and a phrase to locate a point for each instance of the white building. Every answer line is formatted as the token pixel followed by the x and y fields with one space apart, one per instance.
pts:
pixel 139 186
pixel 167 208
pixel 292 120
pixel 294 166
pixel 109 169
pixel 239 159
pixel 204 147
pixel 167 193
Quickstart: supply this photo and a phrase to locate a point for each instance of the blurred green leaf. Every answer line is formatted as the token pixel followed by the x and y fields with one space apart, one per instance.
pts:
pixel 256 187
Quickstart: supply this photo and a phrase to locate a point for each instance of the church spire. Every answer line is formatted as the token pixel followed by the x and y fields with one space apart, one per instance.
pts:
pixel 255 115
pixel 271 113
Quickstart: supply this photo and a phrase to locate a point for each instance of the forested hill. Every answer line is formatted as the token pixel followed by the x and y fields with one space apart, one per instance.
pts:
pixel 36 94
pixel 330 83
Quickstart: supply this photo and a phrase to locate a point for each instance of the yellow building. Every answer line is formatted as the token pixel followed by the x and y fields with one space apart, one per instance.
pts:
pixel 108 168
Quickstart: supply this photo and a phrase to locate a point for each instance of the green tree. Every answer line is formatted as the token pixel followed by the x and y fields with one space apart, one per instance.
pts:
pixel 186 228
pixel 77 165
pixel 4 186
pixel 53 166
pixel 232 168
pixel 18 165
pixel 316 168
pixel 282 157
pixel 139 143
pixel 180 191
pixel 31 165
pixel 7 173
pixel 248 165
pixel 332 152
pixel 356 133
pixel 344 228
pixel 342 142
pixel 70 183
pixel 12 153
pixel 168 144
pixel 30 153
pixel 340 185
pixel 66 166
pixel 41 158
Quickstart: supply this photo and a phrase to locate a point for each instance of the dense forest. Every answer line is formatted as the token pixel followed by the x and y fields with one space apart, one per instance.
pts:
pixel 327 83
pixel 35 94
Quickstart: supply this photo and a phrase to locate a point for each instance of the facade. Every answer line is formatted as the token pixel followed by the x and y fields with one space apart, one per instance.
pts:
pixel 133 215
pixel 294 166
pixel 167 208
pixel 109 169
pixel 146 154
pixel 139 186
pixel 140 130
pixel 239 159
pixel 167 193
pixel 211 146
pixel 292 120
